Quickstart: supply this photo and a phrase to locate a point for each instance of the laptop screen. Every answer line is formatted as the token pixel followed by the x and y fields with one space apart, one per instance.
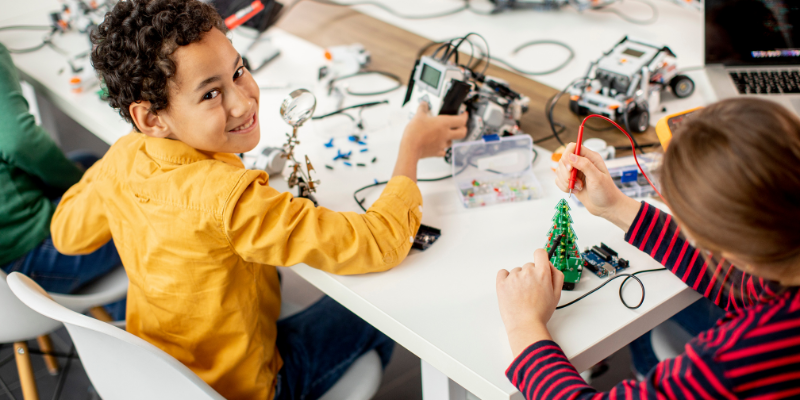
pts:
pixel 752 32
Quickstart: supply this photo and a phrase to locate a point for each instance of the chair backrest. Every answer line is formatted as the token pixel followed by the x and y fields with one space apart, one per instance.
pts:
pixel 120 365
pixel 20 323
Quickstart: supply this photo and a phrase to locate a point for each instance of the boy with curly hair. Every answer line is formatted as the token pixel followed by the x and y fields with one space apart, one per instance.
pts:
pixel 200 235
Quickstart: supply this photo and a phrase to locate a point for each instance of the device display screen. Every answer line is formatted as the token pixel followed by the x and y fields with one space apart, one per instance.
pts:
pixel 430 75
pixel 752 32
pixel 632 52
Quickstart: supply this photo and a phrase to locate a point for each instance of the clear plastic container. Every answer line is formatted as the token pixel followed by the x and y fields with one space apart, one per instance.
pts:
pixel 495 170
pixel 629 179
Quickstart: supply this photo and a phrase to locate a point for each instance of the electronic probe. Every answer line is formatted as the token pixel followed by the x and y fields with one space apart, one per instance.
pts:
pixel 555 246
pixel 574 174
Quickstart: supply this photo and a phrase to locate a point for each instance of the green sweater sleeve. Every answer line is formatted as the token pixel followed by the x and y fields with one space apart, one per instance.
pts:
pixel 24 144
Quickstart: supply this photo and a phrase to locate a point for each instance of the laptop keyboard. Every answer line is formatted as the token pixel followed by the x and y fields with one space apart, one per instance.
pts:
pixel 767 82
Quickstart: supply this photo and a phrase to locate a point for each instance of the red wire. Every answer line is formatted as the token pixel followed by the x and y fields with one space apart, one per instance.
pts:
pixel 633 147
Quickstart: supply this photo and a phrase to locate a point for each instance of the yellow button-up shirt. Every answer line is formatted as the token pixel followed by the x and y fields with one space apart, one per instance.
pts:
pixel 199 236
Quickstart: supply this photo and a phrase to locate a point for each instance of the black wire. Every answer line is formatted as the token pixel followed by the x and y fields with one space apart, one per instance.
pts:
pixel 361 73
pixel 640 147
pixel 372 185
pixel 550 105
pixel 466 38
pixel 621 298
pixel 341 110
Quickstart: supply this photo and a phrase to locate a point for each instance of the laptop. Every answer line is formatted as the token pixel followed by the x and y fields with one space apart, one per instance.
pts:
pixel 752 48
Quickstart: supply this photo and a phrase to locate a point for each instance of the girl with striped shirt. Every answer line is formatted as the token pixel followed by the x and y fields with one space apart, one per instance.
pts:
pixel 731 177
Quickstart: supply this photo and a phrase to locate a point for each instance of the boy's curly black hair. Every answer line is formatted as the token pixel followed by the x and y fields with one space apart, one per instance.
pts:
pixel 134 43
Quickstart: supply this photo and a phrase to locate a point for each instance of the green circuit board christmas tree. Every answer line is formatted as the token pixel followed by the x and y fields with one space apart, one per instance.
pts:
pixel 566 258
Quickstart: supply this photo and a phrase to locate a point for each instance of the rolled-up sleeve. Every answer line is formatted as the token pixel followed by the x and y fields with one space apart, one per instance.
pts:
pixel 269 227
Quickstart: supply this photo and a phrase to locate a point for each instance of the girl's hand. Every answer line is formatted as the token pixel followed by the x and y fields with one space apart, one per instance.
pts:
pixel 528 296
pixel 595 188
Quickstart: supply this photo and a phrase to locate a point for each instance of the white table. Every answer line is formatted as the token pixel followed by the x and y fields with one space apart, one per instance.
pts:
pixel 440 304
pixel 589 33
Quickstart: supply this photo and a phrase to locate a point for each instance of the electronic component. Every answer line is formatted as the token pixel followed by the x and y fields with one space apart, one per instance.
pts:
pixel 431 82
pixel 450 88
pixel 566 257
pixel 426 236
pixel 626 82
pixel 603 261
pixel 666 125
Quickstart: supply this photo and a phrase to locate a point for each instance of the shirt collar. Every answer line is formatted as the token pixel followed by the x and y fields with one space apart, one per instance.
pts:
pixel 177 152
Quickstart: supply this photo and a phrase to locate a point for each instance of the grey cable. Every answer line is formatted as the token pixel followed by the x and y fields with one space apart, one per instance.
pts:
pixel 627 18
pixel 535 43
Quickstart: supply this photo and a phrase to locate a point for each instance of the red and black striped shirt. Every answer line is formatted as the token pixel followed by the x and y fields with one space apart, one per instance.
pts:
pixel 753 352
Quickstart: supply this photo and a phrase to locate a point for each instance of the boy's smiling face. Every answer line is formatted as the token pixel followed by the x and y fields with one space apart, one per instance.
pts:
pixel 213 99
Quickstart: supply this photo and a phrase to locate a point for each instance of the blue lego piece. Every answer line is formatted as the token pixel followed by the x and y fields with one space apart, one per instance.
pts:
pixel 329 144
pixel 630 176
pixel 364 150
pixel 491 138
pixel 348 164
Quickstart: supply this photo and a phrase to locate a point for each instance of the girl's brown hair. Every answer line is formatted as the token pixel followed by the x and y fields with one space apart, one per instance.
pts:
pixel 731 176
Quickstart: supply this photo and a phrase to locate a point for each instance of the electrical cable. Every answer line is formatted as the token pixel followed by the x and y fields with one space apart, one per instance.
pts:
pixel 641 146
pixel 376 93
pixel 628 276
pixel 391 11
pixel 628 18
pixel 372 185
pixel 550 105
pixel 341 110
pixel 633 145
pixel 557 68
pixel 622 286
pixel 47 39
pixel 466 38
pixel 25 28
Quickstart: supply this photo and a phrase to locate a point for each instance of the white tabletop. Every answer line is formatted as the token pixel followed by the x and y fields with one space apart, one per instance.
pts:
pixel 441 303
pixel 589 33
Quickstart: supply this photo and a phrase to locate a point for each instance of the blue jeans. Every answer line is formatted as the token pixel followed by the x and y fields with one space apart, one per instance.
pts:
pixel 59 273
pixel 698 317
pixel 319 344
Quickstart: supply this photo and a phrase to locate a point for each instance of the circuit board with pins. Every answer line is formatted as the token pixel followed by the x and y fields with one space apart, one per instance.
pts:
pixel 603 261
pixel 566 257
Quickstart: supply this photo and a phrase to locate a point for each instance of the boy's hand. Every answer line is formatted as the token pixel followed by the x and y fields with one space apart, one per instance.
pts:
pixel 429 136
pixel 595 188
pixel 528 296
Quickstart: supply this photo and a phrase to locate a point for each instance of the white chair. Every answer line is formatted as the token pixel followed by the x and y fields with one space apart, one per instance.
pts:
pixel 122 366
pixel 360 382
pixel 22 324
